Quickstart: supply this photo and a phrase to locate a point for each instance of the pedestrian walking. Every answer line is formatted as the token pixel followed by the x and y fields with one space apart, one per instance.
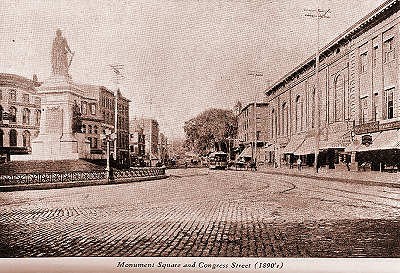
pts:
pixel 299 164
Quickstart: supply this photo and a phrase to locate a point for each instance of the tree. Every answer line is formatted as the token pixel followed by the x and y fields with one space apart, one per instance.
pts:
pixel 210 130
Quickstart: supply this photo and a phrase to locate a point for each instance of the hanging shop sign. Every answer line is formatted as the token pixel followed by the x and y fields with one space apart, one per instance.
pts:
pixel 366 140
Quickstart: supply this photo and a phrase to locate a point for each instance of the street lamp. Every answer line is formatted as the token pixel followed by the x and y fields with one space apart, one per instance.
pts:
pixel 108 136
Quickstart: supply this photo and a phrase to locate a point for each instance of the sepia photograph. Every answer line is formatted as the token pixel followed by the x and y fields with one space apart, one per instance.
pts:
pixel 200 136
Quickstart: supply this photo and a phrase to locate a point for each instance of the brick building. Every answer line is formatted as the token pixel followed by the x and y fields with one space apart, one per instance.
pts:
pixel 19 114
pixel 251 127
pixel 359 106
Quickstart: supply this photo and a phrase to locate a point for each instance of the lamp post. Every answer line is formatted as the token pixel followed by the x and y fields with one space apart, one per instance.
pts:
pixel 254 148
pixel 108 137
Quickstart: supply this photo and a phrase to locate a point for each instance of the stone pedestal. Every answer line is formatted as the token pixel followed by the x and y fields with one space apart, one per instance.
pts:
pixel 56 140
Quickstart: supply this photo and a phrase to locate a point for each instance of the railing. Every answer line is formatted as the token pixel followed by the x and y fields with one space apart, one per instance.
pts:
pixel 52 177
pixel 138 172
pixel 78 176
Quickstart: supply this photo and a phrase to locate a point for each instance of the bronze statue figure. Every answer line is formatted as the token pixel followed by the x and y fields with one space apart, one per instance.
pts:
pixel 59 55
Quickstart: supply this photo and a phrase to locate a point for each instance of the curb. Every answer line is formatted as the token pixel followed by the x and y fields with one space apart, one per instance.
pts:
pixel 43 186
pixel 344 180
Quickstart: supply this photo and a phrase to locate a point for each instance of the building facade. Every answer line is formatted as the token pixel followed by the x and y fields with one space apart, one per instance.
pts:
pixel 151 134
pixel 252 129
pixel 98 114
pixel 19 114
pixel 353 114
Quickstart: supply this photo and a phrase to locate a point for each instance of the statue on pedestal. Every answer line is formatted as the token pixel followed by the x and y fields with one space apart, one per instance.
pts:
pixel 59 56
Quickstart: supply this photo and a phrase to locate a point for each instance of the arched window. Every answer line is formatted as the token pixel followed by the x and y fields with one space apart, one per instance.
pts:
pixel 13 138
pixel 285 119
pixel 312 107
pixel 26 138
pixel 272 123
pixel 338 109
pixel 37 117
pixel 13 114
pixel 26 113
pixel 299 114
pixel 1 138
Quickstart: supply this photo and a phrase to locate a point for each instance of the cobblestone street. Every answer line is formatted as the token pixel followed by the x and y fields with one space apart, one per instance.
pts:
pixel 197 212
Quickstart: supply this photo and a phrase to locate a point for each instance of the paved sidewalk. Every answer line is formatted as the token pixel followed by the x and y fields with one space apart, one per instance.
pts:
pixel 367 178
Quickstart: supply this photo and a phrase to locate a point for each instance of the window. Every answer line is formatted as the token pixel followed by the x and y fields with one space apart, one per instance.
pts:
pixel 83 130
pixel 339 99
pixel 37 101
pixel 84 108
pixel 363 62
pixel 13 138
pixel 26 116
pixel 1 94
pixel 389 103
pixel 95 129
pixel 258 135
pixel 95 141
pixel 90 140
pixel 375 106
pixel 313 108
pixel 285 119
pixel 90 129
pixel 13 114
pixel 299 114
pixel 1 113
pixel 93 109
pixel 364 110
pixel 389 51
pixel 13 95
pixel 25 98
pixel 26 138
pixel 374 56
pixel 37 117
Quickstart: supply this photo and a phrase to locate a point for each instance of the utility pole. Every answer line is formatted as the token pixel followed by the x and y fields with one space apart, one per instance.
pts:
pixel 254 148
pixel 318 14
pixel 117 77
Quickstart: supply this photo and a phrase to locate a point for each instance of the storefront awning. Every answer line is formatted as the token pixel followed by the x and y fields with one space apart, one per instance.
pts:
pixel 386 140
pixel 247 152
pixel 293 144
pixel 307 147
pixel 334 142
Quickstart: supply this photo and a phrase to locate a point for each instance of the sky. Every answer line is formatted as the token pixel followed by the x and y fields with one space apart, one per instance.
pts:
pixel 179 57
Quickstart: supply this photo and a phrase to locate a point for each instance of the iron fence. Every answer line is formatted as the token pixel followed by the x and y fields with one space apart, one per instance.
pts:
pixel 77 176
